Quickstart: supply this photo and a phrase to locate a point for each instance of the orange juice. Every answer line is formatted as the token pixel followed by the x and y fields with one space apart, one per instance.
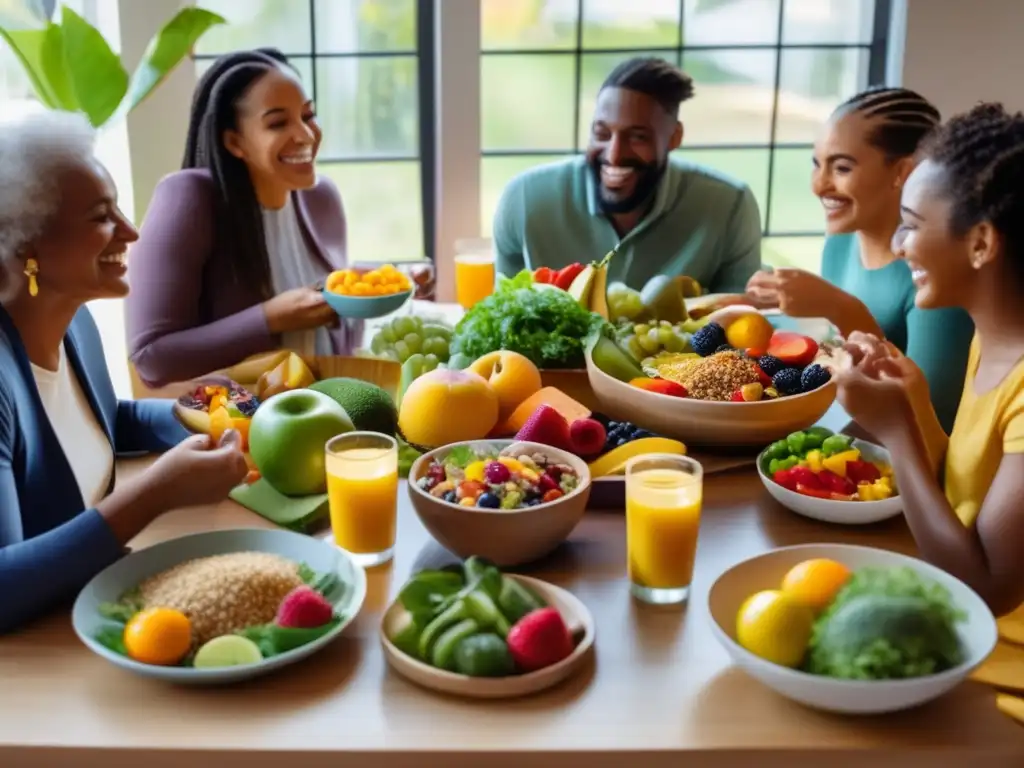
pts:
pixel 474 278
pixel 362 490
pixel 662 517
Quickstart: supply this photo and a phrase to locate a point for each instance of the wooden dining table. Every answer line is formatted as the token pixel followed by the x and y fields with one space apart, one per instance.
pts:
pixel 659 691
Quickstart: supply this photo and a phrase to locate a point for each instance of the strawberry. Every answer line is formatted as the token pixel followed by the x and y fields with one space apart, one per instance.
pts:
pixel 539 639
pixel 304 608
pixel 544 275
pixel 548 427
pixel 830 481
pixel 588 436
pixel 764 378
pixel 806 477
pixel 861 471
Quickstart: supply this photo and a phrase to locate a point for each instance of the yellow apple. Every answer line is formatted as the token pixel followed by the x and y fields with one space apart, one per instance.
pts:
pixel 512 376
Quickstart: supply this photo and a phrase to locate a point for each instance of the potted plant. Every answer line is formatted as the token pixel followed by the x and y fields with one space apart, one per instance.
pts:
pixel 72 67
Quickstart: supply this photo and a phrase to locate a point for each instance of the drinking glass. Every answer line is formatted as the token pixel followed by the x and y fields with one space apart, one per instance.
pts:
pixel 362 491
pixel 474 271
pixel 664 493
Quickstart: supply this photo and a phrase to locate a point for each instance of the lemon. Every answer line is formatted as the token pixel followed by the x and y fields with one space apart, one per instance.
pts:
pixel 774 626
pixel 227 651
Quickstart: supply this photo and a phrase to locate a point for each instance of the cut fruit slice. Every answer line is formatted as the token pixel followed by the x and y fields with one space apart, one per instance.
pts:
pixel 614 462
pixel 227 651
pixel 1004 668
pixel 793 349
pixel 1011 626
pixel 1011 706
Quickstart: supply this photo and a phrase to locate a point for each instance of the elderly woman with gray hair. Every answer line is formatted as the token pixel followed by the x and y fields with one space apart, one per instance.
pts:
pixel 63 242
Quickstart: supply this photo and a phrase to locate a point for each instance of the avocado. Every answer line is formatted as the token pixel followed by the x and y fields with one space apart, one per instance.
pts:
pixel 370 407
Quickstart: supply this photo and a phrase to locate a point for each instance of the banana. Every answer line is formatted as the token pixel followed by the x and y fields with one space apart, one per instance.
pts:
pixel 590 288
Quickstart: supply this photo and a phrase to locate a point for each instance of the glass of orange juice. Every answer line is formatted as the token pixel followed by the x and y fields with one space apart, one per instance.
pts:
pixel 362 491
pixel 474 271
pixel 663 501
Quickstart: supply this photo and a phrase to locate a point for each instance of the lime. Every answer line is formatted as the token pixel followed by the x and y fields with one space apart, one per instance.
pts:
pixel 775 626
pixel 227 651
pixel 484 655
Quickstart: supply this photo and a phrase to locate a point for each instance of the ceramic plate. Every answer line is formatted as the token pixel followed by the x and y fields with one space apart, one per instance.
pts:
pixel 110 584
pixel 573 611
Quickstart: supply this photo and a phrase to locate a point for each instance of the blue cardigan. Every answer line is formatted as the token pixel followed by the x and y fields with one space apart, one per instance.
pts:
pixel 50 544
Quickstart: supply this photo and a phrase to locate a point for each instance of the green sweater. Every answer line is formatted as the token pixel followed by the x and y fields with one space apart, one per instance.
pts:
pixel 938 340
pixel 702 224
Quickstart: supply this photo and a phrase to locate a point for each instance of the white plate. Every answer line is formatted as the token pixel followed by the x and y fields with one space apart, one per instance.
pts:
pixel 978 633
pixel 110 584
pixel 841 512
pixel 573 611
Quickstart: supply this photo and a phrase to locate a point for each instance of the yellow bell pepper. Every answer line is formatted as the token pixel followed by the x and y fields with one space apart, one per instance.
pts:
pixel 813 460
pixel 837 462
pixel 475 471
pixel 876 491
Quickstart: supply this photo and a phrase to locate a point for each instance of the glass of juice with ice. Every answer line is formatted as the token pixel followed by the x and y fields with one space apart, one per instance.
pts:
pixel 474 271
pixel 362 490
pixel 663 502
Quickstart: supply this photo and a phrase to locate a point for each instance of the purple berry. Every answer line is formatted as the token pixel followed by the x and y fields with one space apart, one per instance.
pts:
pixel 496 472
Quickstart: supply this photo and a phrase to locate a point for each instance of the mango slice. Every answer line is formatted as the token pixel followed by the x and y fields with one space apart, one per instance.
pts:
pixel 1004 668
pixel 1011 706
pixel 614 462
pixel 1011 626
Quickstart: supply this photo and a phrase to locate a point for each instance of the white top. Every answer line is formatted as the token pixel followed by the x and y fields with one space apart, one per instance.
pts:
pixel 79 432
pixel 292 265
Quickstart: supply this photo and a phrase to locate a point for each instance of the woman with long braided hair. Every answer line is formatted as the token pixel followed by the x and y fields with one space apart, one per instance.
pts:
pixel 235 243
pixel 962 237
pixel 861 162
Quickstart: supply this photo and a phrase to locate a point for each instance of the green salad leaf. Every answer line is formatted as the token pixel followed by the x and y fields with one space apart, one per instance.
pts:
pixel 547 326
pixel 111 637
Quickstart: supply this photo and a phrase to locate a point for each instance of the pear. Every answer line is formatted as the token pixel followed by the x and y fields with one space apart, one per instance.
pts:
pixel 590 288
pixel 599 293
pixel 664 299
pixel 582 287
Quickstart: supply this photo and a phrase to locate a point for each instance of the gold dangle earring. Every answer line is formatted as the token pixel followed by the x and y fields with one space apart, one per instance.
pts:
pixel 31 270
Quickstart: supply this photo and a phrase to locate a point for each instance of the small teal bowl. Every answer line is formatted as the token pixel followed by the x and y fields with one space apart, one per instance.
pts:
pixel 366 307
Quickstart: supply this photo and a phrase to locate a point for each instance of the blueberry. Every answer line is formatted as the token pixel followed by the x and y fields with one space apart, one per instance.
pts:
pixel 787 381
pixel 707 339
pixel 621 441
pixel 770 364
pixel 488 501
pixel 450 497
pixel 814 376
pixel 535 501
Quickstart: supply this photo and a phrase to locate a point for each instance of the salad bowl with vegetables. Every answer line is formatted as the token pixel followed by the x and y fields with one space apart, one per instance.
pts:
pixel 850 629
pixel 830 477
pixel 471 630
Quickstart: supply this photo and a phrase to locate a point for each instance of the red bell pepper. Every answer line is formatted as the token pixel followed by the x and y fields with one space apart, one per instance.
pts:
pixel 806 477
pixel 861 471
pixel 836 483
pixel 785 478
pixel 819 493
pixel 564 277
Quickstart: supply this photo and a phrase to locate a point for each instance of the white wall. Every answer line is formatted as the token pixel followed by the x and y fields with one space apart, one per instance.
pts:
pixel 960 52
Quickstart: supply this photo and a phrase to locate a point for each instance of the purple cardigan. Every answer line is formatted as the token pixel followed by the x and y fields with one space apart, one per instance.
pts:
pixel 186 317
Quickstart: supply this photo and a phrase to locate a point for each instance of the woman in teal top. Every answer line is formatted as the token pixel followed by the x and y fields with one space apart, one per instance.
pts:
pixel 861 161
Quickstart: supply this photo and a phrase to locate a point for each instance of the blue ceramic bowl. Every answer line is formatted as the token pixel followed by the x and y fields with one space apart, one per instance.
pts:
pixel 366 307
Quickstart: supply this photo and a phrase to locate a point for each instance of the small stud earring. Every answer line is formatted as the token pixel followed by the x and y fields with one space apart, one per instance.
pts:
pixel 31 270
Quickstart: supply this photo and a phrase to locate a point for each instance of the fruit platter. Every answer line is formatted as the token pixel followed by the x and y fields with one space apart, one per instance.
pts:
pixel 471 630
pixel 219 607
pixel 850 629
pixel 830 477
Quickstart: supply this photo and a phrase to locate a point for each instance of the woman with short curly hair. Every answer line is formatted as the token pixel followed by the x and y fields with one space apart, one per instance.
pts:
pixel 63 242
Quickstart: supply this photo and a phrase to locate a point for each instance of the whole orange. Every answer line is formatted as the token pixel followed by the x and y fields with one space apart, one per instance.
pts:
pixel 158 636
pixel 815 582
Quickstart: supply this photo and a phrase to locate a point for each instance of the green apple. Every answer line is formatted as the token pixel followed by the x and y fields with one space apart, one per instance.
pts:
pixel 287 438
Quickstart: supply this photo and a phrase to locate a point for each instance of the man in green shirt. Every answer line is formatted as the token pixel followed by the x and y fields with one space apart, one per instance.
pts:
pixel 665 215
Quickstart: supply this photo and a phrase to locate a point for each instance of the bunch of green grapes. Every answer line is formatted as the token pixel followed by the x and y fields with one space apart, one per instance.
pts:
pixel 624 303
pixel 408 335
pixel 644 340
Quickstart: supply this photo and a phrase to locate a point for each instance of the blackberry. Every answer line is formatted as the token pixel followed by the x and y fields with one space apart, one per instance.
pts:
pixel 787 381
pixel 814 376
pixel 770 365
pixel 706 341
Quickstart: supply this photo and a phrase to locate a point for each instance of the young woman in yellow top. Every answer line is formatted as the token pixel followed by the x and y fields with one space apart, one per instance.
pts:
pixel 962 235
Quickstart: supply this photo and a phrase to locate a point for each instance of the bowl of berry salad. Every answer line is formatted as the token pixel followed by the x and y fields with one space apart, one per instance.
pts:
pixel 509 501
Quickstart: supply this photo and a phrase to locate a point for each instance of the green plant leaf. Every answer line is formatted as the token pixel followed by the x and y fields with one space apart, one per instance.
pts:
pixel 166 50
pixel 95 71
pixel 41 53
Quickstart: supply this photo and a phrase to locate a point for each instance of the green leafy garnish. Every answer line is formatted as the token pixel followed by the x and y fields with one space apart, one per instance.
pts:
pixel 461 456
pixel 111 637
pixel 273 640
pixel 547 326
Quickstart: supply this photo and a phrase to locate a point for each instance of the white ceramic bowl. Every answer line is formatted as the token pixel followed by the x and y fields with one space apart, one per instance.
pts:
pixel 829 511
pixel 110 584
pixel 978 633
pixel 574 613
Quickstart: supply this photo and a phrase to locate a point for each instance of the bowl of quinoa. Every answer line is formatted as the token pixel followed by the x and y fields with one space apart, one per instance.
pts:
pixel 225 583
pixel 709 414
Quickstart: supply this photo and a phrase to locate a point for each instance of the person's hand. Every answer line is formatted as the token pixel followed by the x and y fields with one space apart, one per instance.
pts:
pixel 197 471
pixel 805 294
pixel 763 290
pixel 878 386
pixel 297 310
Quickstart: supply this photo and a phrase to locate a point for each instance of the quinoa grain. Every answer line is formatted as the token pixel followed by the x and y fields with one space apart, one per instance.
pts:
pixel 716 377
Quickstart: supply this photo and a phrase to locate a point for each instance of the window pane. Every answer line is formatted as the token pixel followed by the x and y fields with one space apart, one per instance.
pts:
pixel 794 206
pixel 799 252
pixel 733 96
pixel 812 83
pixel 303 64
pixel 619 24
pixel 495 173
pixel 748 165
pixel 344 26
pixel 834 21
pixel 282 24
pixel 527 24
pixel 368 106
pixel 730 22
pixel 383 209
pixel 526 102
pixel 595 68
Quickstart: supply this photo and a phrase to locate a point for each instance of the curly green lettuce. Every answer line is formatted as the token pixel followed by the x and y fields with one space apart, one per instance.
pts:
pixel 544 324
